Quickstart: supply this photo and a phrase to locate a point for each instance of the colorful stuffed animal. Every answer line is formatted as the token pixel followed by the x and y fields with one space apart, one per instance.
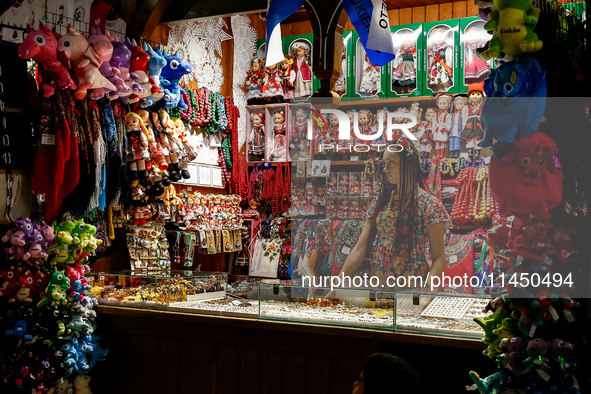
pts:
pixel 56 289
pixel 122 60
pixel 536 349
pixel 528 179
pixel 139 66
pixel 172 73
pixel 27 289
pixel 97 352
pixel 512 24
pixel 490 385
pixel 41 46
pixel 518 91
pixel 18 238
pixel 63 386
pixel 154 68
pixel 81 384
pixel 23 323
pixel 10 277
pixel 64 239
pixel 104 49
pixel 86 63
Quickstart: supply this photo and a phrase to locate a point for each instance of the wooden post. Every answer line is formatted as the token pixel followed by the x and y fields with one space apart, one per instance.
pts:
pixel 328 22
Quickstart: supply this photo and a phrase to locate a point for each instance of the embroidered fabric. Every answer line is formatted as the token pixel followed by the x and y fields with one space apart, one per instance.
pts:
pixel 244 46
pixel 197 43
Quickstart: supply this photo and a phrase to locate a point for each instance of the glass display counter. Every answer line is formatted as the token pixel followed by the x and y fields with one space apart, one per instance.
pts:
pixel 420 311
pixel 351 307
pixel 157 290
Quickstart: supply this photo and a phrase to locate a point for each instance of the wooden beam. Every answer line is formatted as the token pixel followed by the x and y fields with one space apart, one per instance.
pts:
pixel 432 13
pixel 188 10
pixel 459 8
pixel 446 11
pixel 418 14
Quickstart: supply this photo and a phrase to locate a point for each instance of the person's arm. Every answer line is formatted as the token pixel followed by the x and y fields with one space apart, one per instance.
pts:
pixel 355 258
pixel 435 233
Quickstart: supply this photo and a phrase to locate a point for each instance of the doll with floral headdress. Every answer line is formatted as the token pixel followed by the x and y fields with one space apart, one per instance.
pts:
pixel 254 79
pixel 331 209
pixel 303 74
pixel 256 139
pixel 288 75
pixel 366 184
pixel 272 82
pixel 380 123
pixel 440 60
pixel 299 145
pixel 343 210
pixel 279 146
pixel 354 209
pixel 427 142
pixel 138 153
pixel 355 185
pixel 458 121
pixel 340 85
pixel 475 69
pixel 366 125
pixel 343 188
pixel 472 132
pixel 319 197
pixel 404 65
pixel 442 124
pixel 371 79
pixel 419 129
pixel 331 185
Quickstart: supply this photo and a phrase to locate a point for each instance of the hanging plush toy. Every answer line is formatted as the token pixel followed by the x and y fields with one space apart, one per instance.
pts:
pixel 154 68
pixel 56 290
pixel 41 46
pixel 172 73
pixel 85 61
pixel 528 180
pixel 122 60
pixel 139 66
pixel 512 25
pixel 104 49
pixel 518 91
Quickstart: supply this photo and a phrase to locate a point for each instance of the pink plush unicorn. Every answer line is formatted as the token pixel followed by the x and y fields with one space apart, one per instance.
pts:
pixel 104 49
pixel 86 62
pixel 41 46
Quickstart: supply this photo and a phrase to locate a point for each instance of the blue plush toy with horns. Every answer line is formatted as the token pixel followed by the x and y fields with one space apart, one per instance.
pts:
pixel 155 66
pixel 171 74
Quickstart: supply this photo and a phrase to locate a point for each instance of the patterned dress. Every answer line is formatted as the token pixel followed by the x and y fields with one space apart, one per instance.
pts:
pixel 440 69
pixel 403 73
pixel 256 145
pixel 387 260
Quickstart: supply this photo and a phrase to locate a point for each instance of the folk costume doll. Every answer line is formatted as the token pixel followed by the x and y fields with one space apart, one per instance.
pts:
pixel 340 85
pixel 331 185
pixel 355 187
pixel 404 66
pixel 254 79
pixel 343 188
pixel 299 145
pixel 366 125
pixel 380 143
pixel 256 140
pixel 427 141
pixel 303 74
pixel 289 76
pixel 419 129
pixel 442 124
pixel 472 131
pixel 272 82
pixel 343 211
pixel 475 69
pixel 370 80
pixel 138 153
pixel 279 147
pixel 155 148
pixel 458 120
pixel 354 209
pixel 440 65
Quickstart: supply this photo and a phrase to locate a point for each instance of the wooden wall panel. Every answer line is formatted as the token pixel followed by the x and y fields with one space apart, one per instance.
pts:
pixel 405 16
pixel 418 14
pixel 446 11
pixel 459 10
pixel 394 16
pixel 432 13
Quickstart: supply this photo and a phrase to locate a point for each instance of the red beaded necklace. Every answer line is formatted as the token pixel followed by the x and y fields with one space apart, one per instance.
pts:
pixel 278 190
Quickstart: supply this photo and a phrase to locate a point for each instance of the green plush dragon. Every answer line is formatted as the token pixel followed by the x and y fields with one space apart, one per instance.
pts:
pixel 512 25
pixel 56 289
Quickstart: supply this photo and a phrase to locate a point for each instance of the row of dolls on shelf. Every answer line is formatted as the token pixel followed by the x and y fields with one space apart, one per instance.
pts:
pixel 353 184
pixel 438 129
pixel 158 153
pixel 212 212
pixel 289 79
pixel 270 139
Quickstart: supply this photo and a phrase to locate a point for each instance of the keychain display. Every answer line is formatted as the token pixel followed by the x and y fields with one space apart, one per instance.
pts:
pixel 148 248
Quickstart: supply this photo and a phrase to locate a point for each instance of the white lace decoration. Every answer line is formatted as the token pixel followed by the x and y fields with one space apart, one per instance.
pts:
pixel 197 43
pixel 244 46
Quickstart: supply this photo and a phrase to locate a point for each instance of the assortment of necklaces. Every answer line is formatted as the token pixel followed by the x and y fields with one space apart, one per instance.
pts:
pixel 473 202
pixel 271 184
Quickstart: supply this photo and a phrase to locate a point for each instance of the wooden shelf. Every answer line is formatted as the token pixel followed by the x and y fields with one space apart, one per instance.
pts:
pixel 332 163
pixel 388 100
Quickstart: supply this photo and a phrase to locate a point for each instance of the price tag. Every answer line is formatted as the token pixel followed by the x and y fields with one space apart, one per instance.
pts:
pixel 541 244
pixel 366 195
pixel 569 316
pixel 532 330
pixel 48 139
pixel 453 259
pixel 547 259
pixel 553 312
pixel 346 250
pixel 543 374
pixel 354 158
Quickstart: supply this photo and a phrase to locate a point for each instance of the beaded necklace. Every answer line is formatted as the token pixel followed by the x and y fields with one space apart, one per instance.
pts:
pixel 254 175
pixel 278 190
pixel 267 189
pixel 287 188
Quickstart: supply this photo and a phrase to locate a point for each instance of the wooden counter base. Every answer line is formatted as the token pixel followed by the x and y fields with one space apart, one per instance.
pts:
pixel 174 352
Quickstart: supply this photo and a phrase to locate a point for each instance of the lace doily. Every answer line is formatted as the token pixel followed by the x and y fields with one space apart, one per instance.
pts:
pixel 197 43
pixel 244 46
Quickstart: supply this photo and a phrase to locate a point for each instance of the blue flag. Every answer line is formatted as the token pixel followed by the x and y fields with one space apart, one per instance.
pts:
pixel 373 26
pixel 278 11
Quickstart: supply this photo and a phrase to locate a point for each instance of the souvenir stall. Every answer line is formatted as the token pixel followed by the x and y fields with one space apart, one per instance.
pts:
pixel 190 197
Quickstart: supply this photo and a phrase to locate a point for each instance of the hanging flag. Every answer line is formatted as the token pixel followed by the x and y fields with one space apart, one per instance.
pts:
pixel 278 11
pixel 373 26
